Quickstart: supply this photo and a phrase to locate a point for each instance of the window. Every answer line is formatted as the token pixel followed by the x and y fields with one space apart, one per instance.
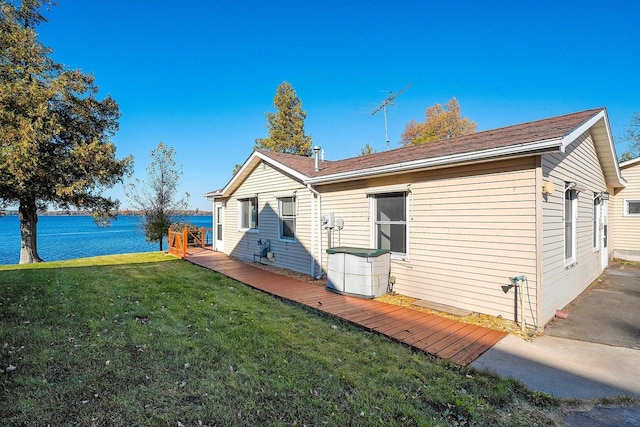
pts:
pixel 287 218
pixel 596 219
pixel 219 222
pixel 390 216
pixel 570 204
pixel 249 213
pixel 631 207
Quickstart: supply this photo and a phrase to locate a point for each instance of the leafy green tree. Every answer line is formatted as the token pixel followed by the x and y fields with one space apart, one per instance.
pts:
pixel 157 196
pixel 367 149
pixel 286 126
pixel 55 135
pixel 441 123
pixel 632 136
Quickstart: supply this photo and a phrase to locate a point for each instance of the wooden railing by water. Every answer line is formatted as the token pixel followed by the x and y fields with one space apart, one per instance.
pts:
pixel 179 241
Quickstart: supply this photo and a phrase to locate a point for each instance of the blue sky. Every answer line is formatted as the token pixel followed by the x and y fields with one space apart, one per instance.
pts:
pixel 199 75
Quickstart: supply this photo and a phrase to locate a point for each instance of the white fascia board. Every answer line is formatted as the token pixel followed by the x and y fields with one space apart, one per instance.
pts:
pixel 212 195
pixel 520 149
pixel 574 134
pixel 225 191
pixel 610 147
pixel 252 160
pixel 631 162
pixel 278 165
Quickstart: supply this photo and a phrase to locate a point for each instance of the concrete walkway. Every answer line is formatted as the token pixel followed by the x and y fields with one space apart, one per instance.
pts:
pixel 566 368
pixel 572 369
pixel 567 365
pixel 595 353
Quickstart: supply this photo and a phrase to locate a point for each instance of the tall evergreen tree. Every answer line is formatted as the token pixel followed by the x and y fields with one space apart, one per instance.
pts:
pixel 441 123
pixel 157 196
pixel 55 147
pixel 286 126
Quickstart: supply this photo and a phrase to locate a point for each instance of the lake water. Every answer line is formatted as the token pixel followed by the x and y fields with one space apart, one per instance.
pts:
pixel 66 237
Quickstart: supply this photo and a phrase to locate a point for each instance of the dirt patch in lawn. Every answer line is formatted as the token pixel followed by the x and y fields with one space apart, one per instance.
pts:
pixel 488 321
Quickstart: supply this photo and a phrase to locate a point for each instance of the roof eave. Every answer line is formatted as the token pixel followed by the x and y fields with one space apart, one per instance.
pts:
pixel 212 195
pixel 518 150
pixel 612 171
pixel 253 160
pixel 629 163
pixel 574 134
pixel 294 173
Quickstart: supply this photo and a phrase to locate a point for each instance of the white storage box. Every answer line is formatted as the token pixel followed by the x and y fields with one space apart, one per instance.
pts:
pixel 360 272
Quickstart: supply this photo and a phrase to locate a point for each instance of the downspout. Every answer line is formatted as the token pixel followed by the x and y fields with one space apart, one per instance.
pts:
pixel 312 271
pixel 539 224
pixel 318 234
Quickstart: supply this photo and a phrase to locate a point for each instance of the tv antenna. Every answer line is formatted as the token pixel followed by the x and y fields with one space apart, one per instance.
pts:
pixel 383 107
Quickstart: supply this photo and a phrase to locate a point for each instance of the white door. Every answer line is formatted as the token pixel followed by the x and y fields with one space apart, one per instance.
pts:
pixel 218 230
pixel 604 236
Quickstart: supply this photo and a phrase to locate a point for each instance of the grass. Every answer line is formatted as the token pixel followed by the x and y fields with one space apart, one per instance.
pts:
pixel 149 340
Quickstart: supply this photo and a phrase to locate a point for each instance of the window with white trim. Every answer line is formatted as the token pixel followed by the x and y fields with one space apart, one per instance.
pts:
pixel 596 220
pixel 570 209
pixel 631 207
pixel 287 218
pixel 219 222
pixel 248 209
pixel 390 222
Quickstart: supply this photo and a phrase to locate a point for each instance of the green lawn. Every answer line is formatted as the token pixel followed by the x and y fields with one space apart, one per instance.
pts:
pixel 150 340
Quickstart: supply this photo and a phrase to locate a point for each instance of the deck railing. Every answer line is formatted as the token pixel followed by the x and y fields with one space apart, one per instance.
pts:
pixel 179 241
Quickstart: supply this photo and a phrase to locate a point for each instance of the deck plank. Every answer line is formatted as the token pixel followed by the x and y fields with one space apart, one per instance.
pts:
pixel 458 342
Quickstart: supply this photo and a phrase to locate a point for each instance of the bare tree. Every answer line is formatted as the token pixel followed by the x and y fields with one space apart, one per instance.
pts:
pixel 632 136
pixel 157 196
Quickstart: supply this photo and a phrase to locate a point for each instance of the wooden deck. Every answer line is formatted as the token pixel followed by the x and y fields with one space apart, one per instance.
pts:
pixel 458 342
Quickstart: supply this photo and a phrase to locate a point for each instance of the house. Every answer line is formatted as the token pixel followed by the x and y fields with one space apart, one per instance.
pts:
pixel 462 217
pixel 625 213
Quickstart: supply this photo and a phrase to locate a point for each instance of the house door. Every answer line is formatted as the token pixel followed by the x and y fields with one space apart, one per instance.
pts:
pixel 218 232
pixel 604 214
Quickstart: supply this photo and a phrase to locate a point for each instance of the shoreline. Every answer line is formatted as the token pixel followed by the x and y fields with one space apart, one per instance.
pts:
pixel 194 212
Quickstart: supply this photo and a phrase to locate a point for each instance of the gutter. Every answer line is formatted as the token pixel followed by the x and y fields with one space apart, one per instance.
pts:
pixel 212 195
pixel 629 162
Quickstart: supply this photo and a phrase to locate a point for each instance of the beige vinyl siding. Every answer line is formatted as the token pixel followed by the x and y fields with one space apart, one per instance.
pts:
pixel 626 229
pixel 470 229
pixel 562 283
pixel 269 184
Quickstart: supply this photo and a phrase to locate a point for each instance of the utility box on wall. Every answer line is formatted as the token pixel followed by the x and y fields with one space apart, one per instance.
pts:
pixel 359 272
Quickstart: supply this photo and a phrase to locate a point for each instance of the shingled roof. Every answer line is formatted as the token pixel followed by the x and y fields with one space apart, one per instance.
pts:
pixel 536 137
pixel 519 135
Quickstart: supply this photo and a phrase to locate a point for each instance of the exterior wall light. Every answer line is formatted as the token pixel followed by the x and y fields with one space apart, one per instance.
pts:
pixel 548 187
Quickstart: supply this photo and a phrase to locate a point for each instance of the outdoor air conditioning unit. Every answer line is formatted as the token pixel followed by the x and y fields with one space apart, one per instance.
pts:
pixel 359 272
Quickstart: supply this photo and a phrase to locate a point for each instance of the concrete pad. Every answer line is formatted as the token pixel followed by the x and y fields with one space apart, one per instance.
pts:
pixel 607 312
pixel 566 368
